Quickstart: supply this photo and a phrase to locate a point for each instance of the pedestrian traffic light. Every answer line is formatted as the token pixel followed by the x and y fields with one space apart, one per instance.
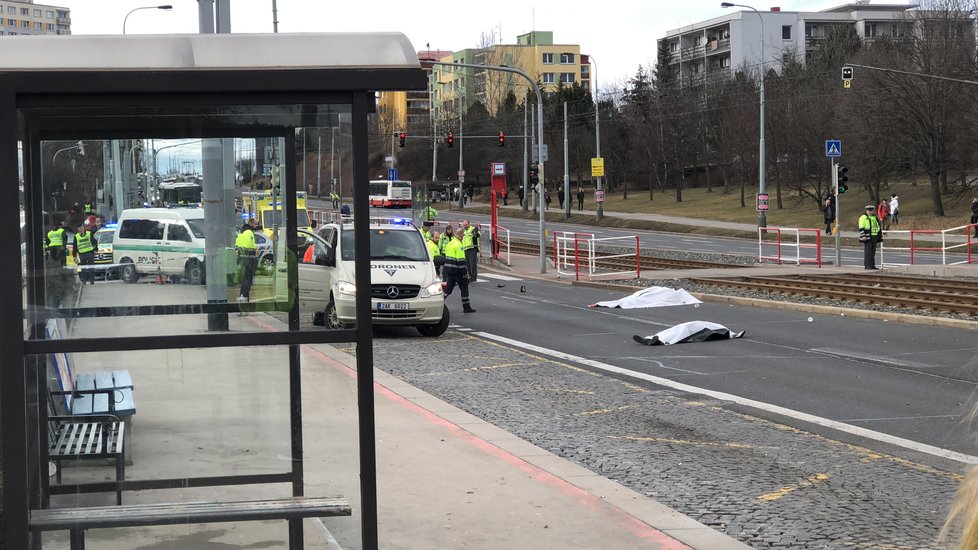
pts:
pixel 502 139
pixel 403 137
pixel 847 73
pixel 450 140
pixel 534 174
pixel 842 179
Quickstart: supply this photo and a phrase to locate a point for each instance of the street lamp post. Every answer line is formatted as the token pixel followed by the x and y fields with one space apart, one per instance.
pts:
pixel 598 206
pixel 762 170
pixel 166 7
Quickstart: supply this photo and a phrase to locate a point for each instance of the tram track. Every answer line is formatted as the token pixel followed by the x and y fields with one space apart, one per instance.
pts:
pixel 938 295
pixel 650 263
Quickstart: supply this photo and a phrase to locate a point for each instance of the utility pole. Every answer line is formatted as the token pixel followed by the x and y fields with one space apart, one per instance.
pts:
pixel 461 144
pixel 274 16
pixel 319 166
pixel 526 164
pixel 599 188
pixel 567 201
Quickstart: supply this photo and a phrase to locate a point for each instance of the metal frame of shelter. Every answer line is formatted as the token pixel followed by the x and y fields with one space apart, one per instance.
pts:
pixel 113 87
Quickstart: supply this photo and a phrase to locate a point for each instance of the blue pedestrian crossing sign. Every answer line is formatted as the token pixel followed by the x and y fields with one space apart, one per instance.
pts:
pixel 392 174
pixel 833 148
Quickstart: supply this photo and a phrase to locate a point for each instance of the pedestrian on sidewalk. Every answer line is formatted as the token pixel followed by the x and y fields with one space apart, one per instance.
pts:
pixel 455 270
pixel 505 197
pixel 869 234
pixel 560 197
pixel 247 257
pixel 84 254
pixel 883 212
pixel 580 199
pixel 521 197
pixel 974 214
pixel 546 199
pixel 828 213
pixel 894 209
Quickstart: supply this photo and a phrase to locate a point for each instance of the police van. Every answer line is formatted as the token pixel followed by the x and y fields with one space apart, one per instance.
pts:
pixel 405 288
pixel 160 241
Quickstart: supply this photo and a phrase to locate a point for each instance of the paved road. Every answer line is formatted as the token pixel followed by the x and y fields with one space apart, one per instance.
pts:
pixel 771 481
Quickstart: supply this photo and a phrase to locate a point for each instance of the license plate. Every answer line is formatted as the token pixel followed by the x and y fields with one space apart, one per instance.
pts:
pixel 391 305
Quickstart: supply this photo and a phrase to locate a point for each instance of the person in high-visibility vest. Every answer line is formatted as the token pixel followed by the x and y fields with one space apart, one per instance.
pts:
pixel 869 233
pixel 56 244
pixel 445 238
pixel 335 197
pixel 88 208
pixel 470 244
pixel 455 271
pixel 84 254
pixel 247 251
pixel 429 214
pixel 436 256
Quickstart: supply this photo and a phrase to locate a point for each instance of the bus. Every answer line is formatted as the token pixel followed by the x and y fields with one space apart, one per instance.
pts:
pixel 390 193
pixel 180 193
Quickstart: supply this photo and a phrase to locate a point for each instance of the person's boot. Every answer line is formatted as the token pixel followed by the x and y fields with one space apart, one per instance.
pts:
pixel 468 309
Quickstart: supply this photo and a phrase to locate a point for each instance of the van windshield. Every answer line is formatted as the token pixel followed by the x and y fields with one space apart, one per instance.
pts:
pixel 386 244
pixel 197 227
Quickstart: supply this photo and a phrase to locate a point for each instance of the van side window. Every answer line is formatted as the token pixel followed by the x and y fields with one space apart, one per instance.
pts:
pixel 141 229
pixel 177 232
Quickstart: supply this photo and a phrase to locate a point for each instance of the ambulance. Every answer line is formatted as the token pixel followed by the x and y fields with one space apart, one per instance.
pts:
pixel 269 212
pixel 405 288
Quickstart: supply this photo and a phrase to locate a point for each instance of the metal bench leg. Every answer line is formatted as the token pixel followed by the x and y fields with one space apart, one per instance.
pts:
pixel 120 475
pixel 77 539
pixel 295 534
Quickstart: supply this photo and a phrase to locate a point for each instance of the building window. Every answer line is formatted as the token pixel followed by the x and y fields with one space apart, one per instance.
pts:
pixel 25 11
pixel 11 10
pixel 585 70
pixel 38 26
pixel 11 22
pixel 50 26
pixel 37 13
pixel 566 78
pixel 870 30
pixel 566 58
pixel 25 24
pixel 785 32
pixel 548 58
pixel 548 78
pixel 49 14
pixel 811 30
pixel 725 62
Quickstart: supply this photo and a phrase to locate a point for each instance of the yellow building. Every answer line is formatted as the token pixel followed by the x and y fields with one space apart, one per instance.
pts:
pixel 407 111
pixel 26 17
pixel 535 53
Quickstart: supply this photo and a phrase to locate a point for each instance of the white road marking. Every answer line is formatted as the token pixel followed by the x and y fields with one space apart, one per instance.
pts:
pixel 902 418
pixel 593 334
pixel 783 411
pixel 498 277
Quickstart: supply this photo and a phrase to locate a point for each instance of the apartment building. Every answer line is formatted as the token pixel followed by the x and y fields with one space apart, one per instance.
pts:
pixel 731 42
pixel 26 17
pixel 535 53
pixel 406 111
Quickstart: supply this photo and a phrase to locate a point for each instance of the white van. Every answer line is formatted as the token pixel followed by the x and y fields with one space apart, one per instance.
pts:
pixel 405 287
pixel 151 241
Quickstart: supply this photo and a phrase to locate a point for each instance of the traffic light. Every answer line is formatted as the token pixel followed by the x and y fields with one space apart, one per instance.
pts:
pixel 502 139
pixel 403 137
pixel 450 140
pixel 81 148
pixel 275 176
pixel 534 174
pixel 846 73
pixel 842 179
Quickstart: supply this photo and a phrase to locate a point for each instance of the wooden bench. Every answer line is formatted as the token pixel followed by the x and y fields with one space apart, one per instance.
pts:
pixel 78 520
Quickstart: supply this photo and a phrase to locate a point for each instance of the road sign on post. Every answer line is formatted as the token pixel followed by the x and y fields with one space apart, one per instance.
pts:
pixel 597 167
pixel 833 148
pixel 392 174
pixel 599 196
pixel 536 153
pixel 763 201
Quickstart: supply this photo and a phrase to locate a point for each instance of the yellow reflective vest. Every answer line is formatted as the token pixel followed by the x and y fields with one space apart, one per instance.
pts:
pixel 56 237
pixel 245 243
pixel 83 243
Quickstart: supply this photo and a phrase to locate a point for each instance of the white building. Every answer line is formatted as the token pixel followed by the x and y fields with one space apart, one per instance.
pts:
pixel 733 41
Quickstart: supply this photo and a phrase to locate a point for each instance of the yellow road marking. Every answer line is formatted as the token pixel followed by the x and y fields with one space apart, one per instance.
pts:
pixel 810 481
pixel 604 411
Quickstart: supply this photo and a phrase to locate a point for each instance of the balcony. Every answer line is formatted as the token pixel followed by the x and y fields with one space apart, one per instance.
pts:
pixel 814 42
pixel 718 46
pixel 693 52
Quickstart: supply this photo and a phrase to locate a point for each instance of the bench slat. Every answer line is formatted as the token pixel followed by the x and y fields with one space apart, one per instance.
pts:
pixel 122 379
pixel 124 403
pixel 132 515
pixel 85 381
pixel 83 403
pixel 103 380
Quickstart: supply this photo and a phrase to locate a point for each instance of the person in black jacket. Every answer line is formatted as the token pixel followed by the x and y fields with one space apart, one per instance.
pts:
pixel 828 213
pixel 974 213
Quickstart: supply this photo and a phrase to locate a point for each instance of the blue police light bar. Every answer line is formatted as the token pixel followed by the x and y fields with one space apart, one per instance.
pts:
pixel 110 226
pixel 400 221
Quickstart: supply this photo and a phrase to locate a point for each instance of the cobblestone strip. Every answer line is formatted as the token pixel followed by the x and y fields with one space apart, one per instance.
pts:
pixel 764 483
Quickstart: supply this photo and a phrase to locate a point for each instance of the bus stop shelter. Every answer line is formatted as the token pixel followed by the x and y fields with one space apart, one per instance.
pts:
pixel 214 88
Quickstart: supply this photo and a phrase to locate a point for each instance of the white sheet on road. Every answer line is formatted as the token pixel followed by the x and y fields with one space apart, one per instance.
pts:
pixel 693 331
pixel 655 296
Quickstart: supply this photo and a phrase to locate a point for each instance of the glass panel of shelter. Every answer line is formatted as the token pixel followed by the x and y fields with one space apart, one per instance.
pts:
pixel 142 210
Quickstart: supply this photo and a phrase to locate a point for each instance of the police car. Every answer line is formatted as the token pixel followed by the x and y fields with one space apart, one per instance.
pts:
pixel 103 251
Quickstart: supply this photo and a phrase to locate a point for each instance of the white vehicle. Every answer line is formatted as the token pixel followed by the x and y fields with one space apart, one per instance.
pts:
pixel 405 287
pixel 152 241
pixel 390 194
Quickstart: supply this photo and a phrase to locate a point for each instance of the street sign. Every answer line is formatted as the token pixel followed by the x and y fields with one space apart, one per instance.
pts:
pixel 599 195
pixel 461 173
pixel 833 148
pixel 763 201
pixel 847 84
pixel 499 168
pixel 597 167
pixel 388 158
pixel 392 174
pixel 536 149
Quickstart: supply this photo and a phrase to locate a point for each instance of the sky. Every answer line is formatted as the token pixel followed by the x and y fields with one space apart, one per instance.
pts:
pixel 619 35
